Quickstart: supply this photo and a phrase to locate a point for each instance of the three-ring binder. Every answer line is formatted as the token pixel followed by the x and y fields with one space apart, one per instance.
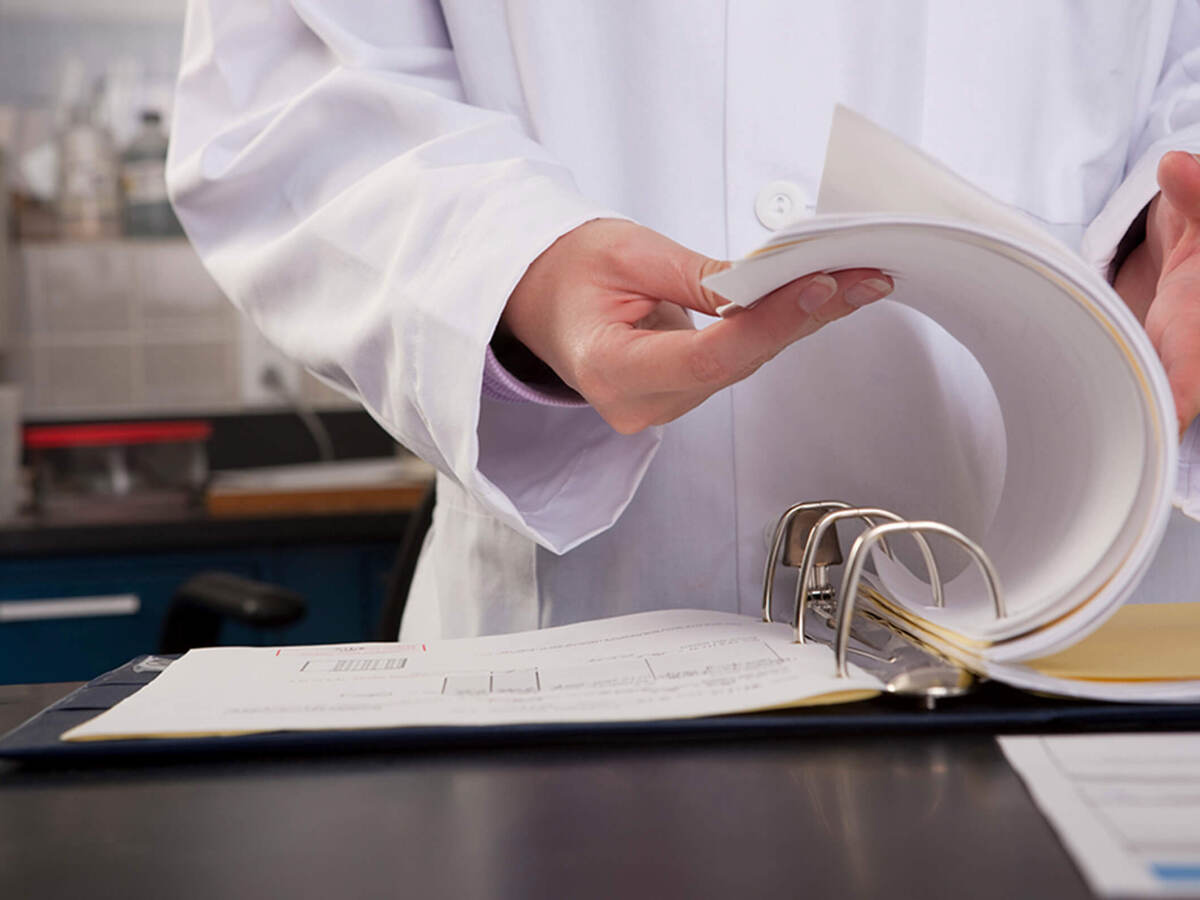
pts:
pixel 906 664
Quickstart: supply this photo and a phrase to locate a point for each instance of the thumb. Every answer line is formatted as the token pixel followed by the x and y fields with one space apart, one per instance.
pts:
pixel 669 271
pixel 1179 179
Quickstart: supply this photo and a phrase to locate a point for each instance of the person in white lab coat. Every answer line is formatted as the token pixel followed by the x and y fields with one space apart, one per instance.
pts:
pixel 395 190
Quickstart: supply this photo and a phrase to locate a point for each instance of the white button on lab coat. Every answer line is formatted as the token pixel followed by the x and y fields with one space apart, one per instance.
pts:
pixel 369 197
pixel 781 203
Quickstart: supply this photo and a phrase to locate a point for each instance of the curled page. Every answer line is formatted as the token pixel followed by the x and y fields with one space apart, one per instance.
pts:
pixel 1087 415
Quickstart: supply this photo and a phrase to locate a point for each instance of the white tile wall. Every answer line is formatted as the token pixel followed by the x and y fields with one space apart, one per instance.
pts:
pixel 135 327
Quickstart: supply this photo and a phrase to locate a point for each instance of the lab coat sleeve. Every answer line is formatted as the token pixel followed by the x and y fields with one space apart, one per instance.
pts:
pixel 371 223
pixel 1173 123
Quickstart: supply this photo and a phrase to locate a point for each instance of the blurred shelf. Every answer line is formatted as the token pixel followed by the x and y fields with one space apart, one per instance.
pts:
pixel 351 486
pixel 155 529
pixel 117 11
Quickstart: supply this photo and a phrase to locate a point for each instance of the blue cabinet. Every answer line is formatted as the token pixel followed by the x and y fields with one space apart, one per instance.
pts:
pixel 71 617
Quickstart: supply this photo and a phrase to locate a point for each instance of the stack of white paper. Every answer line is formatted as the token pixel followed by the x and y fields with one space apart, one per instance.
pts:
pixel 1088 418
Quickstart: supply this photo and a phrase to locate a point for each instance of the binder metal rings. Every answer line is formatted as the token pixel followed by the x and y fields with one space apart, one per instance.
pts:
pixel 864 513
pixel 847 593
pixel 852 574
pixel 833 510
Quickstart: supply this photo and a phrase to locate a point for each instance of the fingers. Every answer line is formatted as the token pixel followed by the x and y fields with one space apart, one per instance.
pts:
pixel 854 288
pixel 1173 326
pixel 1183 374
pixel 731 349
pixel 1173 232
pixel 1179 178
pixel 606 307
pixel 665 270
pixel 1172 318
pixel 663 374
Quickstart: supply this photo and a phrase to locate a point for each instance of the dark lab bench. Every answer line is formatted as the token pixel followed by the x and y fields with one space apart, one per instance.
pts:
pixel 928 815
pixel 340 563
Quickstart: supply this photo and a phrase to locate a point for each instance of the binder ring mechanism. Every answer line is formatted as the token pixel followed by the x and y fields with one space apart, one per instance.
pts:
pixel 805 537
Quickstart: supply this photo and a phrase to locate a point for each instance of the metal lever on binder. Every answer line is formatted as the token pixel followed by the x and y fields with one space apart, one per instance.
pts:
pixel 791 542
pixel 824 526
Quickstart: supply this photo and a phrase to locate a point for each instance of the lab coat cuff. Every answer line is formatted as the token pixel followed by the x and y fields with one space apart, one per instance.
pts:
pixel 500 384
pixel 556 473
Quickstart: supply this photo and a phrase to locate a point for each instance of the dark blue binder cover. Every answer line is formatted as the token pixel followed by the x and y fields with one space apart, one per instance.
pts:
pixel 994 708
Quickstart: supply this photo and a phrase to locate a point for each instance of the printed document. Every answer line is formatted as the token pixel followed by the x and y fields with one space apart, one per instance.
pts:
pixel 1126 806
pixel 655 665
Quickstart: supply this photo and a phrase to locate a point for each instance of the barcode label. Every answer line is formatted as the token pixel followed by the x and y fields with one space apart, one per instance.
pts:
pixel 369 664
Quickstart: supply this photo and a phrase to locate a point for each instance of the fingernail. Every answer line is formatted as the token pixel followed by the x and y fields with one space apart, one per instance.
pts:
pixel 816 292
pixel 867 290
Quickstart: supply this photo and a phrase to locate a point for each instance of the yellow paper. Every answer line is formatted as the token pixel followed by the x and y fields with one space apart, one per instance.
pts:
pixel 1151 642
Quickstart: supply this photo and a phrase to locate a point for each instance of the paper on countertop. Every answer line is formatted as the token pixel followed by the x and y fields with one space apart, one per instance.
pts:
pixel 329 475
pixel 654 665
pixel 1088 418
pixel 1126 806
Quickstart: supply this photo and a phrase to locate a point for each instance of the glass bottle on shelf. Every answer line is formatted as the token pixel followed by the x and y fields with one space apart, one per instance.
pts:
pixel 88 193
pixel 145 210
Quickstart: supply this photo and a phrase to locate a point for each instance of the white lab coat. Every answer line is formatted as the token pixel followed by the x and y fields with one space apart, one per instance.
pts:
pixel 370 196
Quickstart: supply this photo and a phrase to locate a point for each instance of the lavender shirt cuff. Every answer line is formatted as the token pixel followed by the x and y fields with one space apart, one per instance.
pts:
pixel 500 384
